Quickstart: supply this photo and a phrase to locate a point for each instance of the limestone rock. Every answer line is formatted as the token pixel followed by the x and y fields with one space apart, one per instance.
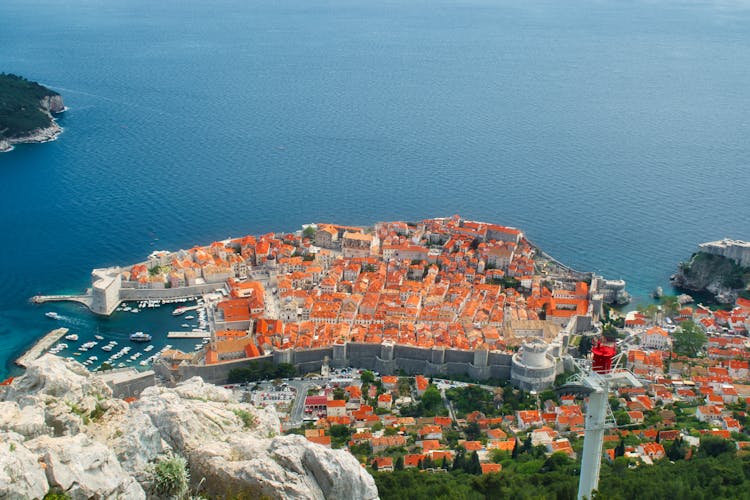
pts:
pixel 81 440
pixel 135 441
pixel 84 468
pixel 21 474
pixel 338 473
pixel 196 412
pixel 283 467
pixel 57 377
pixel 27 421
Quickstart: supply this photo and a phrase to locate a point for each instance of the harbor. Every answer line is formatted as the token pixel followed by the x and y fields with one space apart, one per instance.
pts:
pixel 40 346
pixel 100 342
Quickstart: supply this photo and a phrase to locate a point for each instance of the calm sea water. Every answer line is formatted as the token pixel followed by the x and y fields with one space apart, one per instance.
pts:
pixel 614 133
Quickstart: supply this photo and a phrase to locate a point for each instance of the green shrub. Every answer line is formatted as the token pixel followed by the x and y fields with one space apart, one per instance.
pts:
pixel 171 478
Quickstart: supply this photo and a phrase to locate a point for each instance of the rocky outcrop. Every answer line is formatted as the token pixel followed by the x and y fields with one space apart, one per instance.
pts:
pixel 39 135
pixel 84 468
pixel 68 430
pixel 21 474
pixel 716 274
pixel 53 104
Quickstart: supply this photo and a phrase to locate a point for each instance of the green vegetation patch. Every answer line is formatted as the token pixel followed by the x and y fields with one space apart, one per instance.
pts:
pixel 261 371
pixel 248 419
pixel 171 478
pixel 715 471
pixel 20 109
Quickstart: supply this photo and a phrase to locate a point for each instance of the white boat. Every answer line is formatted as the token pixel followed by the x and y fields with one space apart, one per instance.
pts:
pixel 98 337
pixel 135 310
pixel 53 315
pixel 190 317
pixel 140 337
pixel 72 337
pixel 107 347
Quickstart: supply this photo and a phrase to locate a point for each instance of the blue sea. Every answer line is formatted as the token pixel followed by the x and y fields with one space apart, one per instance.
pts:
pixel 615 133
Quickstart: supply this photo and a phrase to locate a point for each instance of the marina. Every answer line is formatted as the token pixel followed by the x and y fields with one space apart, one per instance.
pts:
pixel 95 344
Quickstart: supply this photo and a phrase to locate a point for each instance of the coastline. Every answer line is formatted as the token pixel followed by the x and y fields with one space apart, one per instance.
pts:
pixel 47 134
pixel 52 105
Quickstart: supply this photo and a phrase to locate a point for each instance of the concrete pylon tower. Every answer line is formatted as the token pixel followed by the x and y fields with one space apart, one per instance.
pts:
pixel 598 376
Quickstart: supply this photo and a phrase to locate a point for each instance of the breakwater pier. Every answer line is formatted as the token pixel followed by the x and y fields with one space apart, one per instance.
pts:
pixel 85 299
pixel 40 346
pixel 189 335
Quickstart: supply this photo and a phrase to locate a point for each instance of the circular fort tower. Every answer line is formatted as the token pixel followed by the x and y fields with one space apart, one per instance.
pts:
pixel 533 368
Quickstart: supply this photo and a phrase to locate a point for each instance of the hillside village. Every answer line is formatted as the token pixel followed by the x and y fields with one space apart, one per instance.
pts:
pixel 401 422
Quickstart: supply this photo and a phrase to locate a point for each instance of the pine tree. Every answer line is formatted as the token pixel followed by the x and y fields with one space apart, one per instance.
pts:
pixel 620 449
pixel 399 463
pixel 458 462
pixel 473 466
pixel 527 444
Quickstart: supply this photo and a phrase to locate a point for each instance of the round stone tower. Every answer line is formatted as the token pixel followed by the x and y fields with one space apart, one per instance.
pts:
pixel 533 367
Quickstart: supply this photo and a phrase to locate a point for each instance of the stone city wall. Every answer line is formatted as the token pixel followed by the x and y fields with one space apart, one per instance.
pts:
pixel 382 358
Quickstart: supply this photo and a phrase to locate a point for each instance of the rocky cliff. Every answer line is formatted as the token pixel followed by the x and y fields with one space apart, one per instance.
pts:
pixel 61 429
pixel 716 274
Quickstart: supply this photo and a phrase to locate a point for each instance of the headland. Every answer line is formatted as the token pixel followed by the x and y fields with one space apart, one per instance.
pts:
pixel 26 112
pixel 720 268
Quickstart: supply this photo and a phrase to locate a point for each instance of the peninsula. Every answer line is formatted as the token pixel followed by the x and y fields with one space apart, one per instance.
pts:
pixel 436 296
pixel 26 110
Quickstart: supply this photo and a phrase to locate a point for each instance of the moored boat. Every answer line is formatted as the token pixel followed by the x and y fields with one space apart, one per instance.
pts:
pixel 140 337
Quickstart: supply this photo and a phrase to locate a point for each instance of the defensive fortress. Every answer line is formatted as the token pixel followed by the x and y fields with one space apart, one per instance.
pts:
pixel 440 297
pixel 736 250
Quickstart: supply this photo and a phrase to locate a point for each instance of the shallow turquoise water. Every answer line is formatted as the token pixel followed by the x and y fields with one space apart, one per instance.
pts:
pixel 614 133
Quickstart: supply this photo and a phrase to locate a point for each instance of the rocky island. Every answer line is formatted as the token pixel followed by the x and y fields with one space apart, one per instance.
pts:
pixel 26 110
pixel 721 268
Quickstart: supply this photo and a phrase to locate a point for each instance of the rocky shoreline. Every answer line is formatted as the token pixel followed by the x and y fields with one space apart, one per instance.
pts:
pixel 52 105
pixel 720 276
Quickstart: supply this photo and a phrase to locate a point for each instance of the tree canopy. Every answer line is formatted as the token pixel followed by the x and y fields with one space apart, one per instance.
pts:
pixel 719 474
pixel 261 371
pixel 20 109
pixel 689 339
